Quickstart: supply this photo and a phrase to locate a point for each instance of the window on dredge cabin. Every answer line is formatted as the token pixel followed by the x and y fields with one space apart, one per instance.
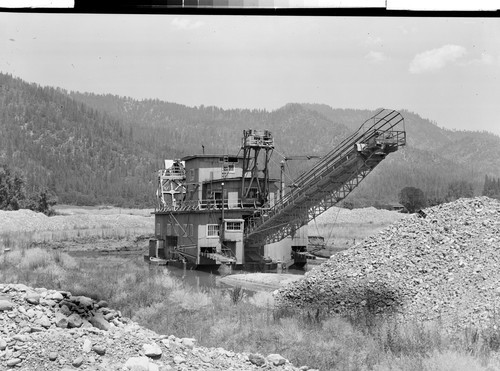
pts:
pixel 212 230
pixel 229 168
pixel 233 226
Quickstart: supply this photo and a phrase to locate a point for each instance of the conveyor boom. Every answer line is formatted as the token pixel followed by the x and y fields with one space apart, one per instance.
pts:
pixel 331 179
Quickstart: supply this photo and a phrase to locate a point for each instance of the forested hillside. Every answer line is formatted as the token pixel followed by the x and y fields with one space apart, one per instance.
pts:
pixel 433 159
pixel 173 130
pixel 90 149
pixel 82 155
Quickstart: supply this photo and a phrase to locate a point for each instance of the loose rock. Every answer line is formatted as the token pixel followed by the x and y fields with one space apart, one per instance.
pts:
pixel 443 267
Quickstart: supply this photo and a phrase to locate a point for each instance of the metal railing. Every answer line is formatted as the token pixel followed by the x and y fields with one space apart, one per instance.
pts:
pixel 208 204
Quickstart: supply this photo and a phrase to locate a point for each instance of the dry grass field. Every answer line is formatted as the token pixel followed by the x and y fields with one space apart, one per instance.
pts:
pixel 230 318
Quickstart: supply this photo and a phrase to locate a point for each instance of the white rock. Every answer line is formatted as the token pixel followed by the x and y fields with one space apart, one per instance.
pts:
pixel 140 364
pixel 179 359
pixel 57 296
pixel 87 346
pixel 189 342
pixel 276 359
pixel 152 350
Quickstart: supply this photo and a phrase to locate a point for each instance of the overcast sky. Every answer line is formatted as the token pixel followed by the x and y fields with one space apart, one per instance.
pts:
pixel 444 69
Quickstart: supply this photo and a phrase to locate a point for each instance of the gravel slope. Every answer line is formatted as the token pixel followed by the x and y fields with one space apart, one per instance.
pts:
pixel 363 215
pixel 52 330
pixel 442 267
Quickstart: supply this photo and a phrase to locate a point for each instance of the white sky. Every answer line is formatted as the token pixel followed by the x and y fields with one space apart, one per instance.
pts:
pixel 444 69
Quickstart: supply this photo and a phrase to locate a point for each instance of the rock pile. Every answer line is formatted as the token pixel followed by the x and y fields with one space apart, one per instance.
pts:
pixel 444 266
pixel 52 330
pixel 338 215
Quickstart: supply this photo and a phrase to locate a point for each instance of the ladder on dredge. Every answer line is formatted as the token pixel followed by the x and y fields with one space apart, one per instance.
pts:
pixel 331 179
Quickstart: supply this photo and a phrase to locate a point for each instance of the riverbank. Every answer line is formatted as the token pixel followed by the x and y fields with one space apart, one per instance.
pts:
pixel 260 281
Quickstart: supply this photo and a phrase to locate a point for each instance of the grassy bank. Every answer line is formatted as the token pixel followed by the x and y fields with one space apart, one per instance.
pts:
pixel 238 322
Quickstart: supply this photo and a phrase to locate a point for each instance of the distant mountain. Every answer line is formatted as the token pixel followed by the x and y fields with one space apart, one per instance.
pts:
pixel 171 129
pixel 433 157
pixel 90 148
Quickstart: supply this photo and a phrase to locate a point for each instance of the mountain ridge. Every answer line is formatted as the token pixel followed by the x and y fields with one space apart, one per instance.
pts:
pixel 91 148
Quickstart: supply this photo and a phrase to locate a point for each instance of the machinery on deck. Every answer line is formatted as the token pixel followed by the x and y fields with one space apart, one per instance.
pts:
pixel 221 209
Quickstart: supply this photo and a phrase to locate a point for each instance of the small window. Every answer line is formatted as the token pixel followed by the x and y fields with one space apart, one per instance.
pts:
pixel 191 174
pixel 212 230
pixel 233 226
pixel 228 168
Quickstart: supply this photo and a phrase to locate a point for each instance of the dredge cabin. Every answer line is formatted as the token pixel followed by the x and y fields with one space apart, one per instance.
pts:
pixel 220 209
pixel 205 202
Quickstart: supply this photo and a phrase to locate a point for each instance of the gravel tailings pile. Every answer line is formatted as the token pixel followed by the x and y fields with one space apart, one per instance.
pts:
pixel 339 215
pixel 30 221
pixel 444 267
pixel 44 329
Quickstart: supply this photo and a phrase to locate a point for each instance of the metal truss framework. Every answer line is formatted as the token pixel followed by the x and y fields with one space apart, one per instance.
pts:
pixel 331 180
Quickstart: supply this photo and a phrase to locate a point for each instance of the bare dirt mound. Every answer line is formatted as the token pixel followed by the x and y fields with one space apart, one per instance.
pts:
pixel 442 267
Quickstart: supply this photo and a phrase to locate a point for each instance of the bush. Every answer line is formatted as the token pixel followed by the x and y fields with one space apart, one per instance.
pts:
pixel 413 199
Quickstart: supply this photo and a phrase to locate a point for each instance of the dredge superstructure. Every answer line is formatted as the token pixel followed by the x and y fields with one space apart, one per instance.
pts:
pixel 222 209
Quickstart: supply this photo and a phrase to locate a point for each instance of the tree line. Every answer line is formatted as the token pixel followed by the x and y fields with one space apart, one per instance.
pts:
pixel 414 199
pixel 13 194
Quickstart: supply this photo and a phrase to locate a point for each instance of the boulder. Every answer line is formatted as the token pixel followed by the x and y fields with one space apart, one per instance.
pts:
pixel 152 350
pixel 140 364
pixel 87 346
pixel 74 320
pixel 99 349
pixel 5 305
pixel 55 296
pixel 44 321
pixel 83 302
pixel 33 298
pixel 102 304
pixel 257 359
pixel 77 362
pixel 276 359
pixel 189 342
pixel 61 320
pixel 13 362
pixel 99 322
pixel 65 310
pixel 179 360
